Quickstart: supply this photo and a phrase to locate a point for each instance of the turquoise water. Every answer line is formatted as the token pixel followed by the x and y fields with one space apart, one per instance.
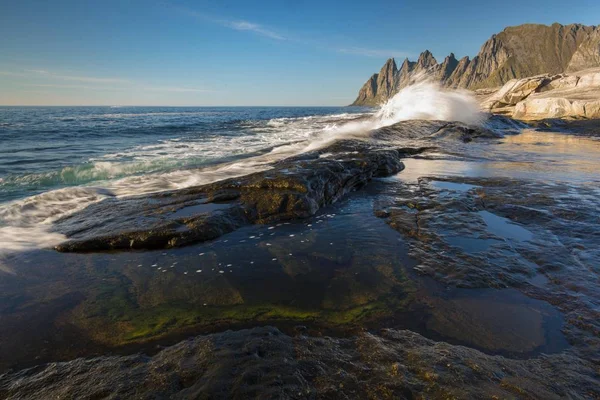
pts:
pixel 44 148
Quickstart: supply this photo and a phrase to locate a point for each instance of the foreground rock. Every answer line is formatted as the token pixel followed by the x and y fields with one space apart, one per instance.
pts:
pixel 549 96
pixel 499 233
pixel 293 188
pixel 265 363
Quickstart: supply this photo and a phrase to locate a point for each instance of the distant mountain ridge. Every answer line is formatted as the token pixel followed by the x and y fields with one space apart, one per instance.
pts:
pixel 516 52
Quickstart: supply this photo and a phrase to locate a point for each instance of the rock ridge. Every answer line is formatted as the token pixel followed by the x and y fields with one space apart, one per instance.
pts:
pixel 515 53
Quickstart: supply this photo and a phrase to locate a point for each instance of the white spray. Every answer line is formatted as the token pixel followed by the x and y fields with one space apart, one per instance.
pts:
pixel 26 224
pixel 423 100
pixel 428 101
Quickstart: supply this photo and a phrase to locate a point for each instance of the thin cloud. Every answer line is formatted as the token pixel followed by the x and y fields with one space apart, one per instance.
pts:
pixel 85 87
pixel 238 25
pixel 252 27
pixel 361 51
pixel 90 79
pixel 258 29
pixel 128 88
pixel 9 73
pixel 32 73
pixel 176 89
pixel 37 71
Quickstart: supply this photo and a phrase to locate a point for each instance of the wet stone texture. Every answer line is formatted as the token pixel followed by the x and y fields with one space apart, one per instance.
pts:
pixel 496 278
pixel 479 232
pixel 264 362
pixel 294 188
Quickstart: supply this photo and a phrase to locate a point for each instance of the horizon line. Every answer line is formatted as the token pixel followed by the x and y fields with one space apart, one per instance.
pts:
pixel 123 106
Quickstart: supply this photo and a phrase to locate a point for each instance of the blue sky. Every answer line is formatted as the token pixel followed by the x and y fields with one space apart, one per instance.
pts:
pixel 231 52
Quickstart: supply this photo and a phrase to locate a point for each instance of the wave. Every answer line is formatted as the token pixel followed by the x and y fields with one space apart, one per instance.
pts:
pixel 423 100
pixel 183 162
pixel 242 139
pixel 429 101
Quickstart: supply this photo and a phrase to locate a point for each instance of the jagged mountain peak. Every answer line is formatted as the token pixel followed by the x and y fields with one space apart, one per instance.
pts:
pixel 426 60
pixel 516 52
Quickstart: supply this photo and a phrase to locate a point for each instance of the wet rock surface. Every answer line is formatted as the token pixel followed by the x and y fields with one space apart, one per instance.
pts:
pixel 445 280
pixel 500 232
pixel 265 362
pixel 293 188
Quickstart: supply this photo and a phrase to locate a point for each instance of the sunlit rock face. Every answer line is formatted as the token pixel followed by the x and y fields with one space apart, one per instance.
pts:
pixel 515 53
pixel 574 95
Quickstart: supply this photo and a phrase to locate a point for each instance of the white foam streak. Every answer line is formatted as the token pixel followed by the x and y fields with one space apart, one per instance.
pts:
pixel 26 224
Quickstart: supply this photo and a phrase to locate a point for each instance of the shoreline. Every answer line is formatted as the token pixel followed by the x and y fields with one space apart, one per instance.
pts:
pixel 348 271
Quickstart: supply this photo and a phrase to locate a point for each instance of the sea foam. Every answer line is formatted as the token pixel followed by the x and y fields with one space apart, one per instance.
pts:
pixel 26 224
pixel 423 100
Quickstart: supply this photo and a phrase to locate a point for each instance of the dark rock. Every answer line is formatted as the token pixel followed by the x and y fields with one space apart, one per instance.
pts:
pixel 294 188
pixel 265 363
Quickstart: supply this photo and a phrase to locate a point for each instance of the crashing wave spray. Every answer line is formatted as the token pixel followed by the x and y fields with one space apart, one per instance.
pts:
pixel 423 100
pixel 429 101
pixel 27 224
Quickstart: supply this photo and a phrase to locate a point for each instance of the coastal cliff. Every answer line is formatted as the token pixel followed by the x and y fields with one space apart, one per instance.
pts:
pixel 573 95
pixel 515 53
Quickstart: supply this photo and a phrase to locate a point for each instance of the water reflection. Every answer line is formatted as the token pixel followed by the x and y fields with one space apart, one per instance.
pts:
pixel 340 271
pixel 544 156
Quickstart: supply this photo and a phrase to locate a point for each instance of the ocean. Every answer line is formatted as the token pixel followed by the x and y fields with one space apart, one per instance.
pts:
pixel 483 204
pixel 48 148
pixel 57 160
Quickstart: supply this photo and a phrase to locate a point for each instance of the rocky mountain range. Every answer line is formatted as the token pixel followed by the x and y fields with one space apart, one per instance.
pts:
pixel 516 52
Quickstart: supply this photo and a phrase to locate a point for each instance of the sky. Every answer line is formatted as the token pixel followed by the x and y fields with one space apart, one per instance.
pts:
pixel 238 52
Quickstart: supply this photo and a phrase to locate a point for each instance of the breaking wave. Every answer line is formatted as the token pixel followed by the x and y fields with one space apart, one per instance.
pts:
pixel 421 101
pixel 183 162
pixel 428 101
